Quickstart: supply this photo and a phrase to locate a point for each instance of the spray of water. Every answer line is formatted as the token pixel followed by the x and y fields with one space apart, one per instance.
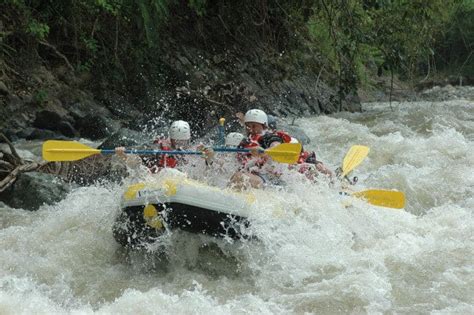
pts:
pixel 314 253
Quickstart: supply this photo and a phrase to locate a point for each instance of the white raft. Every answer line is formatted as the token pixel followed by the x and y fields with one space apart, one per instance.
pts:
pixel 176 202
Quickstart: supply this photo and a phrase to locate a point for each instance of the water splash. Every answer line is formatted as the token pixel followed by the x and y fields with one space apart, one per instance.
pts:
pixel 314 254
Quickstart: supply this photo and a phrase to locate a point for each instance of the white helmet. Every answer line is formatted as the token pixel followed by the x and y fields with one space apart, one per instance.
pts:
pixel 256 115
pixel 233 139
pixel 180 130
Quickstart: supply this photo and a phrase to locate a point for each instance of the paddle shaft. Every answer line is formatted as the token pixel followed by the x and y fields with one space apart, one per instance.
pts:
pixel 57 150
pixel 143 152
pixel 234 150
pixel 221 131
pixel 179 152
pixel 151 152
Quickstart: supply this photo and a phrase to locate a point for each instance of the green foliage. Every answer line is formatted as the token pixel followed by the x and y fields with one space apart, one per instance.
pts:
pixel 320 34
pixel 454 49
pixel 353 39
pixel 91 45
pixel 339 33
pixel 199 6
pixel 38 30
pixel 109 6
pixel 406 30
pixel 365 37
pixel 40 96
pixel 368 61
pixel 153 14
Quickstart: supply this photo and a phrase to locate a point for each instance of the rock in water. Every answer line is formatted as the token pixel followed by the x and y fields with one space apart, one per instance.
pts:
pixel 32 190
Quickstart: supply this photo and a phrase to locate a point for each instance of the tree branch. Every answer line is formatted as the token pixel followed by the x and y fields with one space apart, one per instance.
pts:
pixel 10 145
pixel 11 177
pixel 57 53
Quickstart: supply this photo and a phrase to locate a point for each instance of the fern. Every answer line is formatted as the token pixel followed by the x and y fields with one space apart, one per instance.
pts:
pixel 154 14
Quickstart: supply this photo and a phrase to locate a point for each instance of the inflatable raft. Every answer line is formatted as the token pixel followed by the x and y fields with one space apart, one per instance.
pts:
pixel 176 202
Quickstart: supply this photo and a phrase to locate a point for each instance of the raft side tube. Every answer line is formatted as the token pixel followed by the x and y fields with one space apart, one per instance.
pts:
pixel 194 219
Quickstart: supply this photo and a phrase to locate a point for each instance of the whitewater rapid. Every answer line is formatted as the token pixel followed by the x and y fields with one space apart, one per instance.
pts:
pixel 317 257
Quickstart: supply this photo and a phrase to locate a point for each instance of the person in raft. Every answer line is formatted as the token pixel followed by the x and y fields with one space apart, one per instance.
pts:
pixel 307 163
pixel 256 168
pixel 179 136
pixel 233 139
pixel 221 168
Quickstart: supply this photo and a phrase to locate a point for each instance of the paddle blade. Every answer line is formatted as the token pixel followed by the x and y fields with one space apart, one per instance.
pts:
pixel 55 151
pixel 354 157
pixel 285 152
pixel 383 198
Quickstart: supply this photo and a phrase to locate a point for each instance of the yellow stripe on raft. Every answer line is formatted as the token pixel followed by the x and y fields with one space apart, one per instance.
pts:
pixel 170 188
pixel 132 191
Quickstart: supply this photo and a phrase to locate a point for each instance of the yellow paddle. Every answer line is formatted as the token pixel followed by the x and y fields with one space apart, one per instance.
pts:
pixel 221 131
pixel 353 158
pixel 56 150
pixel 288 153
pixel 383 198
pixel 376 197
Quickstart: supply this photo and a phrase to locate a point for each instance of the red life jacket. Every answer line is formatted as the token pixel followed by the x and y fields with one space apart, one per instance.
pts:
pixel 308 157
pixel 284 136
pixel 251 141
pixel 163 160
pixel 303 157
pixel 247 143
pixel 265 140
pixel 261 140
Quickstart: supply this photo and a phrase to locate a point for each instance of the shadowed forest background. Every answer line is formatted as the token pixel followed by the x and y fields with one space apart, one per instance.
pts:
pixel 201 59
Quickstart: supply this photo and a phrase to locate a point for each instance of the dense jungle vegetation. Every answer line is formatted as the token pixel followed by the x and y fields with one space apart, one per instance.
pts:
pixel 120 43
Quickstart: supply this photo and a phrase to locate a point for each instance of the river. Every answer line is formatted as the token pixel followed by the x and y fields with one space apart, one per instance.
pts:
pixel 322 259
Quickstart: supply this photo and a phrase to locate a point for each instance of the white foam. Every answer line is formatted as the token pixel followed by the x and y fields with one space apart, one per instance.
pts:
pixel 313 255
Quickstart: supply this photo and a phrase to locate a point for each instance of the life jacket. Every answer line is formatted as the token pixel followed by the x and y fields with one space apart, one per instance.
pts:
pixel 264 140
pixel 284 136
pixel 250 142
pixel 261 140
pixel 162 160
pixel 307 157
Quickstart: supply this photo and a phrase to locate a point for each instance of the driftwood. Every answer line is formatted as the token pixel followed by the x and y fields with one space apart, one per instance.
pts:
pixel 83 171
pixel 13 165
